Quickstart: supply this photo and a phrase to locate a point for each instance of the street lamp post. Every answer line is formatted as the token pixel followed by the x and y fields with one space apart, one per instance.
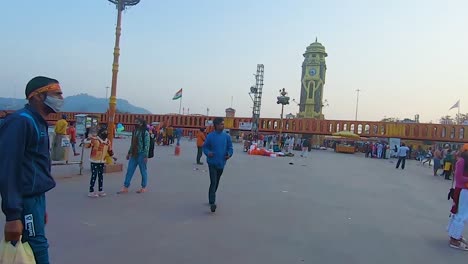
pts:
pixel 107 92
pixel 282 100
pixel 121 5
pixel 357 103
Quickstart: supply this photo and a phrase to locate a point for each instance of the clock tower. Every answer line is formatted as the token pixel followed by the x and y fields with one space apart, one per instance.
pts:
pixel 314 69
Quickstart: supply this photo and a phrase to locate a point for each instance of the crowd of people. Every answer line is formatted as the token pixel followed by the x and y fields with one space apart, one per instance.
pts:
pixel 380 150
pixel 279 143
pixel 23 185
pixel 26 162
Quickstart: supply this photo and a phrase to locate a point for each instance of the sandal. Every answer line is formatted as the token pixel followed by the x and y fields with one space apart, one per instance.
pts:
pixel 124 190
pixel 142 190
pixel 461 246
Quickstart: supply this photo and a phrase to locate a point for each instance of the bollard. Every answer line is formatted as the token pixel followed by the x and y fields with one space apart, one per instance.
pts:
pixel 177 150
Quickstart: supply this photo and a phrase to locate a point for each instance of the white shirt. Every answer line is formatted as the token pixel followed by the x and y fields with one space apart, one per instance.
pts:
pixel 403 151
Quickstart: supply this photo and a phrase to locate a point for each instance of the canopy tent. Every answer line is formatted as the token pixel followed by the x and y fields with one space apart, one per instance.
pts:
pixel 346 134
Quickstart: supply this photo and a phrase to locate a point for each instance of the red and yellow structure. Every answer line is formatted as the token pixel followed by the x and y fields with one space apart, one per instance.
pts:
pixel 408 131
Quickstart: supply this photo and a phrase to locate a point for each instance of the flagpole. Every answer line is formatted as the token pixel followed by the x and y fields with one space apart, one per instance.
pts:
pixel 180 105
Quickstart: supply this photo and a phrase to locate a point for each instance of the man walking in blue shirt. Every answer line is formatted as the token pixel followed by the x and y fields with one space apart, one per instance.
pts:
pixel 402 154
pixel 218 149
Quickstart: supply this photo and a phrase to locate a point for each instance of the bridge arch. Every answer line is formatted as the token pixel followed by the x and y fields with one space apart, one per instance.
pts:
pixel 367 129
pixel 452 132
pixel 444 132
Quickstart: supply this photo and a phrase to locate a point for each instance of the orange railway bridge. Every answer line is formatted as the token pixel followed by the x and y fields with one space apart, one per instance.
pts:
pixel 408 131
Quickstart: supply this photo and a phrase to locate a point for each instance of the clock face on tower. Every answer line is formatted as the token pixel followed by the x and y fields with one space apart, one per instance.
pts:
pixel 312 72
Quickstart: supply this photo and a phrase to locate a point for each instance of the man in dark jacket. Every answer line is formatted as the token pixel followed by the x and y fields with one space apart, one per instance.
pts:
pixel 25 166
pixel 305 147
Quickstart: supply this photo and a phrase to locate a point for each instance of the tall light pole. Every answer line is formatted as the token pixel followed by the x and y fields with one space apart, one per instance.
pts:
pixel 107 92
pixel 282 100
pixel 257 92
pixel 121 5
pixel 357 103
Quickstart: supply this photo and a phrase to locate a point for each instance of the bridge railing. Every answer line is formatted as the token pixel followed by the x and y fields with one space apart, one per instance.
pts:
pixel 416 131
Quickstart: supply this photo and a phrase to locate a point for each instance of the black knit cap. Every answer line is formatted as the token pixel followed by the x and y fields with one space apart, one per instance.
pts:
pixel 37 83
pixel 102 130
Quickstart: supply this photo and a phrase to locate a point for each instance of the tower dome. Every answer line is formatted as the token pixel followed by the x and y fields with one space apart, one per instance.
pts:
pixel 316 47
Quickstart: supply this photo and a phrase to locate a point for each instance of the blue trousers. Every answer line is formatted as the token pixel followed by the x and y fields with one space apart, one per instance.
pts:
pixel 402 161
pixel 215 176
pixel 34 211
pixel 132 165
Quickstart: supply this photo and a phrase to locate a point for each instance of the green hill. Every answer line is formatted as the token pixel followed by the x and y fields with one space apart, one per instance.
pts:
pixel 79 103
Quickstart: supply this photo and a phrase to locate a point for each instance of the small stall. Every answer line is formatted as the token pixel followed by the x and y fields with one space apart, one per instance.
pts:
pixel 85 123
pixel 345 148
pixel 344 142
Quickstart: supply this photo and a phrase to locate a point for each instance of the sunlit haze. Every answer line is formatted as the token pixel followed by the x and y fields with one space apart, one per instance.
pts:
pixel 407 57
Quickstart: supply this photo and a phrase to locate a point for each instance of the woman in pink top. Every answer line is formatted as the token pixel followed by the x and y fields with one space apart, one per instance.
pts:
pixel 460 210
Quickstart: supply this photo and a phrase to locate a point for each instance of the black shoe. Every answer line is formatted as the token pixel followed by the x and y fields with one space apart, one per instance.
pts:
pixel 200 163
pixel 213 208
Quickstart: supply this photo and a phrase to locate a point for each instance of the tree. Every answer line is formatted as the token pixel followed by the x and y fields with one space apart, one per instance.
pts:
pixel 389 119
pixel 460 118
pixel 447 120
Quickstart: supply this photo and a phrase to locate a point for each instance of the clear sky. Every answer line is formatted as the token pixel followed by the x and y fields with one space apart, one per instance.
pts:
pixel 407 56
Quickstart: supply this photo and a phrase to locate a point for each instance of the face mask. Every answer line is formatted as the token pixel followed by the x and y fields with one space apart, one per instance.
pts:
pixel 54 103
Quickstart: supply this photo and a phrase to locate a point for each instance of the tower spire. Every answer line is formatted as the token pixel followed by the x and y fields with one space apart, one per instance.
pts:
pixel 315 39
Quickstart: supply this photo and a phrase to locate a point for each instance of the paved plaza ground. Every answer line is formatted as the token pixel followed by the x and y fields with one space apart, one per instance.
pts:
pixel 328 208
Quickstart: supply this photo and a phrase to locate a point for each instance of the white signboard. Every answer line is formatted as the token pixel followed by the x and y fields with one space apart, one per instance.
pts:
pixel 80 124
pixel 392 142
pixel 65 142
pixel 245 125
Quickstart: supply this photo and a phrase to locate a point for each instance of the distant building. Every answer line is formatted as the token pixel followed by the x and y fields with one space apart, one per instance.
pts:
pixel 230 112
pixel 408 120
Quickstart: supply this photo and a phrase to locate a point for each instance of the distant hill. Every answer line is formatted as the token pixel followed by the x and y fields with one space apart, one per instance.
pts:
pixel 79 103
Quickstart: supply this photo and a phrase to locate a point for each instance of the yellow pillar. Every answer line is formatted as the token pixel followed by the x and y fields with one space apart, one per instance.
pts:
pixel 115 71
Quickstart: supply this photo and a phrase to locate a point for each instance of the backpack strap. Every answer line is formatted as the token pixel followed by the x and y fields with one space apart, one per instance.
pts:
pixel 143 136
pixel 34 123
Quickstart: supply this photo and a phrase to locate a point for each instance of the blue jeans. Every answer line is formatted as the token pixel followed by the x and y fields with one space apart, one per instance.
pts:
pixel 215 176
pixel 132 164
pixel 34 210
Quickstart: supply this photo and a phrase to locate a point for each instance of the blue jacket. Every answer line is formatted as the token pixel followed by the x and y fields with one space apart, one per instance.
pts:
pixel 220 144
pixel 25 160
